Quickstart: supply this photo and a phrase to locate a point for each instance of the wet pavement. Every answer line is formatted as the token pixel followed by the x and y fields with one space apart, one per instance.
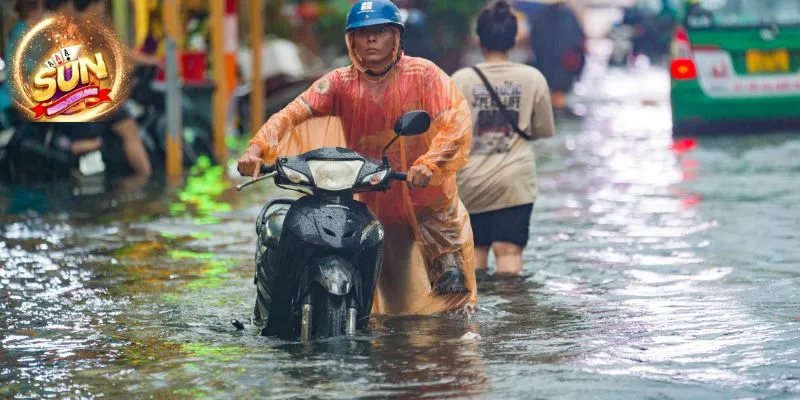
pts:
pixel 655 270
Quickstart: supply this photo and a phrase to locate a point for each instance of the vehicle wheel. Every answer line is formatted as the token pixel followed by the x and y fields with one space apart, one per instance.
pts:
pixel 328 313
pixel 261 309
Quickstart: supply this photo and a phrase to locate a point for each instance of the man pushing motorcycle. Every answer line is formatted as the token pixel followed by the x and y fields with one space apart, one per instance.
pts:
pixel 428 252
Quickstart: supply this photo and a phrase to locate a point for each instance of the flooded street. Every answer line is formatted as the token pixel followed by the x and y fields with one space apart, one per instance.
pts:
pixel 655 270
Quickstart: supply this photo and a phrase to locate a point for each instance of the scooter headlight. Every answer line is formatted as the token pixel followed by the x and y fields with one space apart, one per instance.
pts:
pixel 335 175
pixel 375 178
pixel 295 176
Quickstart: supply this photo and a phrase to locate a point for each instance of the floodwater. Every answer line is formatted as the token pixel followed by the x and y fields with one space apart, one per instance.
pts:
pixel 655 270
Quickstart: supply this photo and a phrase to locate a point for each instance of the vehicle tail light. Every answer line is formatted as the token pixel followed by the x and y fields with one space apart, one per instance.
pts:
pixel 683 69
pixel 683 66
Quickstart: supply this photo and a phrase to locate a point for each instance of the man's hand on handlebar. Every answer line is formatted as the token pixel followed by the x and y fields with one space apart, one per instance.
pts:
pixel 419 176
pixel 250 163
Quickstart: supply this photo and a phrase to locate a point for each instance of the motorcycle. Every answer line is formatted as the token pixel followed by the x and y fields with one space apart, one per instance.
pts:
pixel 38 153
pixel 282 91
pixel 31 153
pixel 318 257
pixel 288 70
pixel 148 107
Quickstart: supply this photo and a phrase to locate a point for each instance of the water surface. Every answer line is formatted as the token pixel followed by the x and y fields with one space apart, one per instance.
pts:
pixel 651 273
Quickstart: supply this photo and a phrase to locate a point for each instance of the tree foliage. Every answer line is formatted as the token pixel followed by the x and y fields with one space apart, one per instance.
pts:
pixel 455 16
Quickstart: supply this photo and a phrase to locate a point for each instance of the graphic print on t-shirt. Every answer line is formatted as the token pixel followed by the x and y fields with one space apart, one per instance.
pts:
pixel 493 134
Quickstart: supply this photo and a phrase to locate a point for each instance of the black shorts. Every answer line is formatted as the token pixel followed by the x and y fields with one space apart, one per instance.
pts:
pixel 505 225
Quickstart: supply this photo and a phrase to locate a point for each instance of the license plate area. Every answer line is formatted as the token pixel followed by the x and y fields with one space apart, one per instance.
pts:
pixel 91 163
pixel 767 62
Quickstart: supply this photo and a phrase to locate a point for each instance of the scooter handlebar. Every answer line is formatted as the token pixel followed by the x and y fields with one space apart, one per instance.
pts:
pixel 266 170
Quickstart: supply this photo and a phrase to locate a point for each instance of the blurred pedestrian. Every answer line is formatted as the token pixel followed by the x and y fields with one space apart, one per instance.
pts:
pixel 28 13
pixel 418 33
pixel 510 106
pixel 697 16
pixel 559 48
pixel 522 50
pixel 123 150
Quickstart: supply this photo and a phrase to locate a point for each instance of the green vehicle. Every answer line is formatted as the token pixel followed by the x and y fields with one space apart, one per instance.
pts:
pixel 736 64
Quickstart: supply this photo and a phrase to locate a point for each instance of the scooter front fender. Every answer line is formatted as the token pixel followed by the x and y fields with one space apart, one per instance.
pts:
pixel 335 274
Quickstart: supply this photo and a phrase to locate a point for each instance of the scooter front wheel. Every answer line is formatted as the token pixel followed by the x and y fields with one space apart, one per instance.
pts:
pixel 328 314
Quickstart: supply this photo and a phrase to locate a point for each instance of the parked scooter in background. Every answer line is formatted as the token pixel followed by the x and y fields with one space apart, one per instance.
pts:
pixel 40 152
pixel 148 107
pixel 287 71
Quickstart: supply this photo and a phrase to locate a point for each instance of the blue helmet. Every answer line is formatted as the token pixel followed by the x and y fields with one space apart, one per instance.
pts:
pixel 374 12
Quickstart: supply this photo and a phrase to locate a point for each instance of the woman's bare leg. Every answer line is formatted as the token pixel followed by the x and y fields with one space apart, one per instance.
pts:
pixel 509 258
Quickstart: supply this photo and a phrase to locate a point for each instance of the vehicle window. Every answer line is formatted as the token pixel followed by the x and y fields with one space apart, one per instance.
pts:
pixel 734 13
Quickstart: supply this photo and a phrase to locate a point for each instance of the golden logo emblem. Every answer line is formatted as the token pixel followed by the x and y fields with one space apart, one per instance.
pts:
pixel 68 70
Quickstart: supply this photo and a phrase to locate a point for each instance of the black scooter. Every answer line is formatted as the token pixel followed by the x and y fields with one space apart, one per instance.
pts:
pixel 148 106
pixel 318 257
pixel 39 152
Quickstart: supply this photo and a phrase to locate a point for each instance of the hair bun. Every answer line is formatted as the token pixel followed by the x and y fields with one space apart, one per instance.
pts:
pixel 497 26
pixel 502 7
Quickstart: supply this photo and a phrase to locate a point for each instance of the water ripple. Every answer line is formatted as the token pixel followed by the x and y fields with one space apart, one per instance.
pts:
pixel 650 273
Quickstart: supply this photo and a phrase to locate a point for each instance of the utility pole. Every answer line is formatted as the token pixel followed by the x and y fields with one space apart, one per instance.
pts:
pixel 224 29
pixel 174 162
pixel 257 94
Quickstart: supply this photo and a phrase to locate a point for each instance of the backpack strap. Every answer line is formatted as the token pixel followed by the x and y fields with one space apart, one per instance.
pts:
pixel 500 105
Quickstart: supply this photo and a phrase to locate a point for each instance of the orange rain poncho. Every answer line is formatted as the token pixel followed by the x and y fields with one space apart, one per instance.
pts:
pixel 426 229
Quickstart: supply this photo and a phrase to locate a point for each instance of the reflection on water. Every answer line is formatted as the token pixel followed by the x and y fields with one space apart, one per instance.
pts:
pixel 655 270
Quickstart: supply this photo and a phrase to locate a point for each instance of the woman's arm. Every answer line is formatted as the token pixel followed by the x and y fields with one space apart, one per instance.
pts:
pixel 542 123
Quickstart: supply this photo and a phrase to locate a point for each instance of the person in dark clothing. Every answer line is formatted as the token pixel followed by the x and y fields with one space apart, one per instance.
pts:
pixel 558 47
pixel 697 16
pixel 28 12
pixel 417 38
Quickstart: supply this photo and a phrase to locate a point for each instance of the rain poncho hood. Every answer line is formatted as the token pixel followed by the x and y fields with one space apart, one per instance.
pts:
pixel 427 229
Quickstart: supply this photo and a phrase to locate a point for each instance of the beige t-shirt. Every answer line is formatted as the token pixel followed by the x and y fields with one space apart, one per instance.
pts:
pixel 501 172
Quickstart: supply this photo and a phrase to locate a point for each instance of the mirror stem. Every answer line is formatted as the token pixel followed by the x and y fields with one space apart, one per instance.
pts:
pixel 387 146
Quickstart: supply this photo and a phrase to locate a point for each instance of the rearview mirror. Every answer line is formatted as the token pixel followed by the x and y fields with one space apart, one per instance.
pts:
pixel 413 123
